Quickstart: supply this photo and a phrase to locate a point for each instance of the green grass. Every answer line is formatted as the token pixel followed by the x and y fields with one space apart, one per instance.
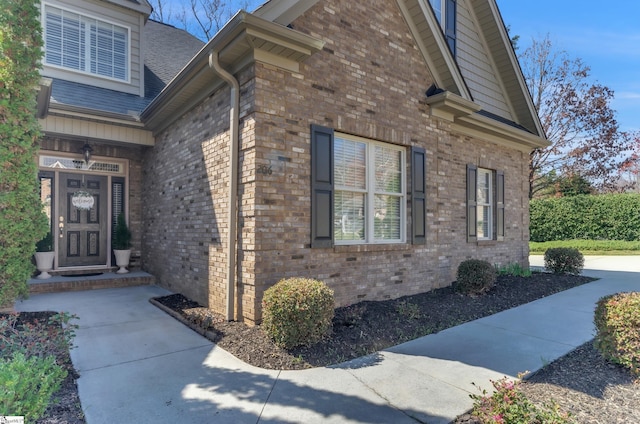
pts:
pixel 590 247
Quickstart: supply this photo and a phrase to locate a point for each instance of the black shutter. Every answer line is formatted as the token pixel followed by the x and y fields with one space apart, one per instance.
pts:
pixel 500 224
pixel 321 186
pixel 450 25
pixel 472 203
pixel 418 196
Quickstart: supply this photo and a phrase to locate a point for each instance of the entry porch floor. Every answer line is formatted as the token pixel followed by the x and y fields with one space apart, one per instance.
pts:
pixel 104 280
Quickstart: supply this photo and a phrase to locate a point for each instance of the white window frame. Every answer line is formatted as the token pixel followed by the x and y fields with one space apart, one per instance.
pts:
pixel 370 192
pixel 88 19
pixel 488 205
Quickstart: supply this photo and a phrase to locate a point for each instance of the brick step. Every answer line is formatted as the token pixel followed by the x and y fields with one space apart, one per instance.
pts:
pixel 107 280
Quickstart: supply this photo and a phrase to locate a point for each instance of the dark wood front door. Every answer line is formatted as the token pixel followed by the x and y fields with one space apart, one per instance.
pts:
pixel 82 233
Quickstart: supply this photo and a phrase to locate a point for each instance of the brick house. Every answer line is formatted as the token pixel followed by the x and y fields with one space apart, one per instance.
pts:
pixel 373 145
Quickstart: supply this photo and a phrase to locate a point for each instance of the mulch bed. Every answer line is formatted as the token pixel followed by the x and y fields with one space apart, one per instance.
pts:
pixel 368 327
pixel 65 408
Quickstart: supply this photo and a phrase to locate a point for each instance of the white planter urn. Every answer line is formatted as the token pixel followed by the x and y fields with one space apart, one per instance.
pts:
pixel 44 263
pixel 122 260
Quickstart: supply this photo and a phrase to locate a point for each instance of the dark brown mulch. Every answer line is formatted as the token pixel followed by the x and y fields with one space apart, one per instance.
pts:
pixel 368 327
pixel 593 390
pixel 65 408
pixel 584 384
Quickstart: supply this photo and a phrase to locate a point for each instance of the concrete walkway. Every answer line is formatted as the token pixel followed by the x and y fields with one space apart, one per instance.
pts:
pixel 138 365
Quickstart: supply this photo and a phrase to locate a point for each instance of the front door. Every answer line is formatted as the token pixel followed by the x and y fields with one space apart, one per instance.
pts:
pixel 82 232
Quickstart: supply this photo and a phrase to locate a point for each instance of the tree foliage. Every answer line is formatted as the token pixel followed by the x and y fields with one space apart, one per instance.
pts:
pixel 577 118
pixel 22 222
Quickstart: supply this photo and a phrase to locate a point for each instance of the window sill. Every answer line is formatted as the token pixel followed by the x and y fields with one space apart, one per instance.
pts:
pixel 487 242
pixel 356 248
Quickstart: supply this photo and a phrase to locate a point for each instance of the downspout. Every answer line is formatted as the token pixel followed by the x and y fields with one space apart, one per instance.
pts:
pixel 234 117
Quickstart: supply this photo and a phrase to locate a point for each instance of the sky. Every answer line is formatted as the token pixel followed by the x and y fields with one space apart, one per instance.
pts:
pixel 607 39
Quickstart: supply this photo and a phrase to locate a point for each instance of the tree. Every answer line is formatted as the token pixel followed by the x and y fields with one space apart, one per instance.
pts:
pixel 201 18
pixel 577 118
pixel 22 221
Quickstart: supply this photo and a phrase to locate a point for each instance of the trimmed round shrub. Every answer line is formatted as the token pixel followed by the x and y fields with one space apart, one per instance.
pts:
pixel 617 321
pixel 297 312
pixel 563 260
pixel 475 276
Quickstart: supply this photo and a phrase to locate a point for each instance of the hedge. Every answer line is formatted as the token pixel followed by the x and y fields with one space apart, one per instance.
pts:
pixel 586 217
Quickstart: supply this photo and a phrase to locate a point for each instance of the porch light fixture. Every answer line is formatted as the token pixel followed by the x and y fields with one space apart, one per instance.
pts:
pixel 86 153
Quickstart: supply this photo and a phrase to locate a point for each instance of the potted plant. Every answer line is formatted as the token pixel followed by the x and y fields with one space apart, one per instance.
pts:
pixel 44 256
pixel 121 244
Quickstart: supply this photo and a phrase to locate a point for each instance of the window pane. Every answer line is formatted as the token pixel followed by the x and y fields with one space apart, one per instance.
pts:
pixel 349 215
pixel 387 169
pixel 386 218
pixel 350 163
pixel 484 222
pixel 484 187
pixel 437 8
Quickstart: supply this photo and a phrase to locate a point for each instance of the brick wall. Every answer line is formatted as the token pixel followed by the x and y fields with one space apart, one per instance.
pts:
pixel 368 81
pixel 186 199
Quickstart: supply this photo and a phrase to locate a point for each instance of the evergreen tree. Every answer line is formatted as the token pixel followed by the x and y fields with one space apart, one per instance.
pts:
pixel 22 222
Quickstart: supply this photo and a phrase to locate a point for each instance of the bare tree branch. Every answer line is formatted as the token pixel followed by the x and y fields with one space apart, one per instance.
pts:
pixel 577 118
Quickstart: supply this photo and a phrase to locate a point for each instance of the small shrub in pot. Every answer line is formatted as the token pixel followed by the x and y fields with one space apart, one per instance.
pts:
pixel 297 312
pixel 475 276
pixel 617 322
pixel 563 260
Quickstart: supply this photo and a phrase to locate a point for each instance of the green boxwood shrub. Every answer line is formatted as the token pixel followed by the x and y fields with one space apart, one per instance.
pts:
pixel 475 276
pixel 587 217
pixel 28 384
pixel 617 321
pixel 297 311
pixel 563 260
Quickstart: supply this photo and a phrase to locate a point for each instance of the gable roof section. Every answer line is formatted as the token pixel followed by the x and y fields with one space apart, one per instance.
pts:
pixel 430 40
pixel 499 46
pixel 457 103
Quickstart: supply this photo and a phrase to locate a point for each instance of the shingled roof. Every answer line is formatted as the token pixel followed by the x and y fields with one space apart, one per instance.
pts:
pixel 167 50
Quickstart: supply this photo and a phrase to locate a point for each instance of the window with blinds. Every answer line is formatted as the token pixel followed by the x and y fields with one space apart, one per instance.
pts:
pixel 484 219
pixel 369 196
pixel 84 44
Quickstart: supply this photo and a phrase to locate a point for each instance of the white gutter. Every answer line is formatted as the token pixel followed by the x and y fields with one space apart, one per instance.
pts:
pixel 234 117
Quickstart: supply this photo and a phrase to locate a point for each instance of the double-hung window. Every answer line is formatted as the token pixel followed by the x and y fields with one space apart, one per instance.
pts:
pixel 359 191
pixel 445 11
pixel 369 191
pixel 85 44
pixel 485 204
pixel 484 218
